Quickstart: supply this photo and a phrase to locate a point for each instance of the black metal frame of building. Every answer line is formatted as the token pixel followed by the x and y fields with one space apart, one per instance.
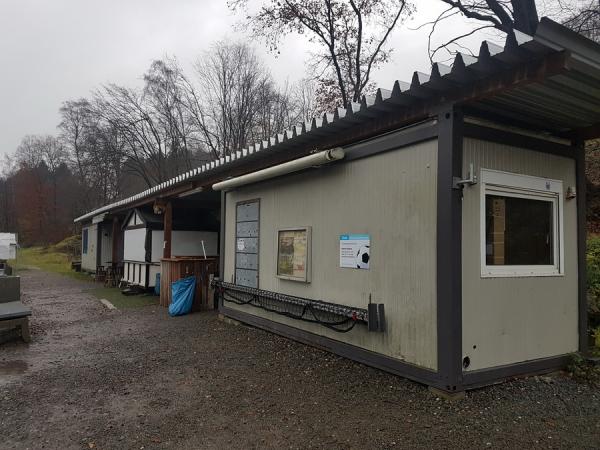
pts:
pixel 539 92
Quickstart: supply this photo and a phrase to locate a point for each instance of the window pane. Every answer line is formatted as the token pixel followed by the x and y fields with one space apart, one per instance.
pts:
pixel 518 231
pixel 85 241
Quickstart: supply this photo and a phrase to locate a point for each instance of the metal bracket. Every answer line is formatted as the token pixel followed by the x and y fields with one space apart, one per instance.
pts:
pixel 471 179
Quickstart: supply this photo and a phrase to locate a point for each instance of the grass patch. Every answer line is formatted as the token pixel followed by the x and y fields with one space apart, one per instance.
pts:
pixel 584 371
pixel 121 301
pixel 47 259
pixel 57 259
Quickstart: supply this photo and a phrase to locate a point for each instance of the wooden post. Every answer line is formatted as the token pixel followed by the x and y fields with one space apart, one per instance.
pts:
pixel 168 227
pixel 115 241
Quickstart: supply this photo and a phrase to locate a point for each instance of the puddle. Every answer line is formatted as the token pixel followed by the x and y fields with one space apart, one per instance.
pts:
pixel 12 367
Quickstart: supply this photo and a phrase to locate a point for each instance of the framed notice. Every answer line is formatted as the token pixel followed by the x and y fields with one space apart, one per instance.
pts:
pixel 293 254
pixel 355 251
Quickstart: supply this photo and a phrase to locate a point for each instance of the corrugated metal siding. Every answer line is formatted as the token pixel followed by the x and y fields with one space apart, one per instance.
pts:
pixel 88 260
pixel 509 320
pixel 392 197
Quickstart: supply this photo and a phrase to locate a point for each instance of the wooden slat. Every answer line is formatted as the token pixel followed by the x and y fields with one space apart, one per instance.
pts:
pixel 173 269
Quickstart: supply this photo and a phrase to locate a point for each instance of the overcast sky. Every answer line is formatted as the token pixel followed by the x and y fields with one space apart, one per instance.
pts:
pixel 55 50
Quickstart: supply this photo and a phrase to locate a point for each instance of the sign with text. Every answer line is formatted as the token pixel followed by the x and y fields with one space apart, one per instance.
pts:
pixel 355 251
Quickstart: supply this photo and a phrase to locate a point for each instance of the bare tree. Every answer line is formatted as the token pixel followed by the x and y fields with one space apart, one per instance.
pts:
pixel 146 148
pixel 304 95
pixel 34 151
pixel 352 36
pixel 95 151
pixel 172 123
pixel 583 18
pixel 275 111
pixel 508 16
pixel 45 157
pixel 165 93
pixel 76 122
pixel 503 16
pixel 239 104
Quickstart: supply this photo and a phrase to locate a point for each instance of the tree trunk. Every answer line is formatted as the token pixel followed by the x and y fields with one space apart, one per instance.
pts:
pixel 525 16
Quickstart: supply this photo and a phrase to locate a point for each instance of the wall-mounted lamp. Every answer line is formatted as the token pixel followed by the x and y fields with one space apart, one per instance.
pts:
pixel 469 181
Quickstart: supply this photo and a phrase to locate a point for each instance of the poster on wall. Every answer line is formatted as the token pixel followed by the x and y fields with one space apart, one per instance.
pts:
pixel 355 251
pixel 292 254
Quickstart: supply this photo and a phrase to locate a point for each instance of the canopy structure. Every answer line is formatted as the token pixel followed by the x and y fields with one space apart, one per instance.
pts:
pixel 548 83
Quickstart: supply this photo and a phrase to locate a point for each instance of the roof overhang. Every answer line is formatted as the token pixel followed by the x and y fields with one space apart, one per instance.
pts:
pixel 548 83
pixel 99 218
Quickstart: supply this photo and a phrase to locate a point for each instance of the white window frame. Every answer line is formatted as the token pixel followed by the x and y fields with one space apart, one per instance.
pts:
pixel 509 184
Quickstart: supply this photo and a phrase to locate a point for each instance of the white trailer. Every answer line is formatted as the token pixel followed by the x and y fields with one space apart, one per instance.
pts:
pixel 8 246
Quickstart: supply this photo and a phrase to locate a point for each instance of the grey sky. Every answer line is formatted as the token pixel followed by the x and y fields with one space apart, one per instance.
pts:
pixel 55 50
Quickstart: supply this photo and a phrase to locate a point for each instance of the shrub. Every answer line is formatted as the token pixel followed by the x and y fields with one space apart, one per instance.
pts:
pixel 593 280
pixel 70 246
pixel 582 370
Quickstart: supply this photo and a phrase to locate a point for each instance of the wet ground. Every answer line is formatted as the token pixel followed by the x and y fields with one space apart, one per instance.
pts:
pixel 137 379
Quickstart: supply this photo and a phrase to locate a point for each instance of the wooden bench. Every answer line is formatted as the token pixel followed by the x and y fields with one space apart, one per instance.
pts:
pixel 13 313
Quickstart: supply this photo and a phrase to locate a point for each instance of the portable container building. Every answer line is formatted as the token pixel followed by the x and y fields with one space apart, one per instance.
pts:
pixel 97 243
pixel 8 246
pixel 449 248
pixel 435 230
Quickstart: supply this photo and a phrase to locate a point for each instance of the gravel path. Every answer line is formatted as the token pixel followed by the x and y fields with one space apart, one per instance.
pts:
pixel 137 379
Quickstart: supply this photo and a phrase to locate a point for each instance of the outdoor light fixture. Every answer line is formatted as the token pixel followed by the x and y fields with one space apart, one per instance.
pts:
pixel 316 159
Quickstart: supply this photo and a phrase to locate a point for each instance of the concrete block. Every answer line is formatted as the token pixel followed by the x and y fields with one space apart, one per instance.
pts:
pixel 228 320
pixel 21 323
pixel 449 396
pixel 10 289
pixel 107 304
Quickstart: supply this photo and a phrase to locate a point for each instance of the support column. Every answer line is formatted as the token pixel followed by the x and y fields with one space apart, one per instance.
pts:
pixel 115 241
pixel 222 244
pixel 98 244
pixel 579 148
pixel 449 249
pixel 168 228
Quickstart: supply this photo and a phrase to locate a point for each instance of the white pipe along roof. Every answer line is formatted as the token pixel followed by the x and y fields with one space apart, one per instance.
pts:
pixel 316 159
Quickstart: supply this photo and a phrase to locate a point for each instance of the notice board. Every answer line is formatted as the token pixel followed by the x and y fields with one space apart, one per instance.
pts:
pixel 355 251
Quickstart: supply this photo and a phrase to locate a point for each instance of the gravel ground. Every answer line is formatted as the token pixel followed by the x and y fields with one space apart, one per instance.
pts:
pixel 137 379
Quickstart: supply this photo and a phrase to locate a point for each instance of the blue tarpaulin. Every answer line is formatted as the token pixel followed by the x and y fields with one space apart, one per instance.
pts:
pixel 182 296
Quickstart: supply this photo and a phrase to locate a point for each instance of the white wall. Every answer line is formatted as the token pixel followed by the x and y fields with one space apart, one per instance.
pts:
pixel 134 245
pixel 8 246
pixel 392 197
pixel 185 243
pixel 516 319
pixel 189 243
pixel 157 245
